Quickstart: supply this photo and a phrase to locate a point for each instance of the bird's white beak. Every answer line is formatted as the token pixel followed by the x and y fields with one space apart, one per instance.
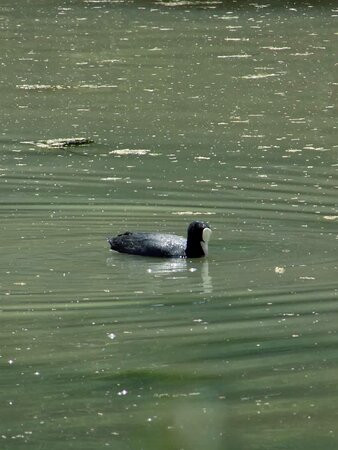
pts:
pixel 206 235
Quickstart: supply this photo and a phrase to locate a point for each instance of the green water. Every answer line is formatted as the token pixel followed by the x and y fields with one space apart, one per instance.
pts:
pixel 222 111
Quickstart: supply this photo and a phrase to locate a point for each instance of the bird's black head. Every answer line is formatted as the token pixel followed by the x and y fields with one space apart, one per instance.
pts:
pixel 198 237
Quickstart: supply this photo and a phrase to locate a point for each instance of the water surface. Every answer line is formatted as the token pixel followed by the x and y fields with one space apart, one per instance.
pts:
pixel 220 111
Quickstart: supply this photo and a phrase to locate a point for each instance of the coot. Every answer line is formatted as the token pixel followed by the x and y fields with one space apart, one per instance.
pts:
pixel 165 245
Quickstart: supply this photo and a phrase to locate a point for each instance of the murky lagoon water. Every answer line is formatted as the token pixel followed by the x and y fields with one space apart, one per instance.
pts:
pixel 221 111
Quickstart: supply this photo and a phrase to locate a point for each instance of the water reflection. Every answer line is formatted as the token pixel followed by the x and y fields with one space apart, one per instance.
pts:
pixel 153 270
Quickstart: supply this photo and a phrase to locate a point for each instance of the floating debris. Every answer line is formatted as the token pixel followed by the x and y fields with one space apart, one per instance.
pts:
pixel 330 217
pixel 193 213
pixel 262 75
pixel 60 143
pixel 130 151
pixel 244 55
pixel 276 49
pixel 41 87
pixel 188 3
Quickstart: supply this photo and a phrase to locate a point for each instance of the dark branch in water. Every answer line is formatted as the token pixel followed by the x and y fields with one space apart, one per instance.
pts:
pixel 60 143
pixel 67 142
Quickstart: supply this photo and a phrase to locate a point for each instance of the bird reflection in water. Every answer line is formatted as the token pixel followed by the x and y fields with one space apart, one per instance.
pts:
pixel 173 269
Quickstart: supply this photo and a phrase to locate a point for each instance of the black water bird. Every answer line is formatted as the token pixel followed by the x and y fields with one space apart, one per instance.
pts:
pixel 165 245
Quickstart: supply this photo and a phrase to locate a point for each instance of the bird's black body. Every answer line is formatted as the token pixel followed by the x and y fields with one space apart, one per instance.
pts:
pixel 164 245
